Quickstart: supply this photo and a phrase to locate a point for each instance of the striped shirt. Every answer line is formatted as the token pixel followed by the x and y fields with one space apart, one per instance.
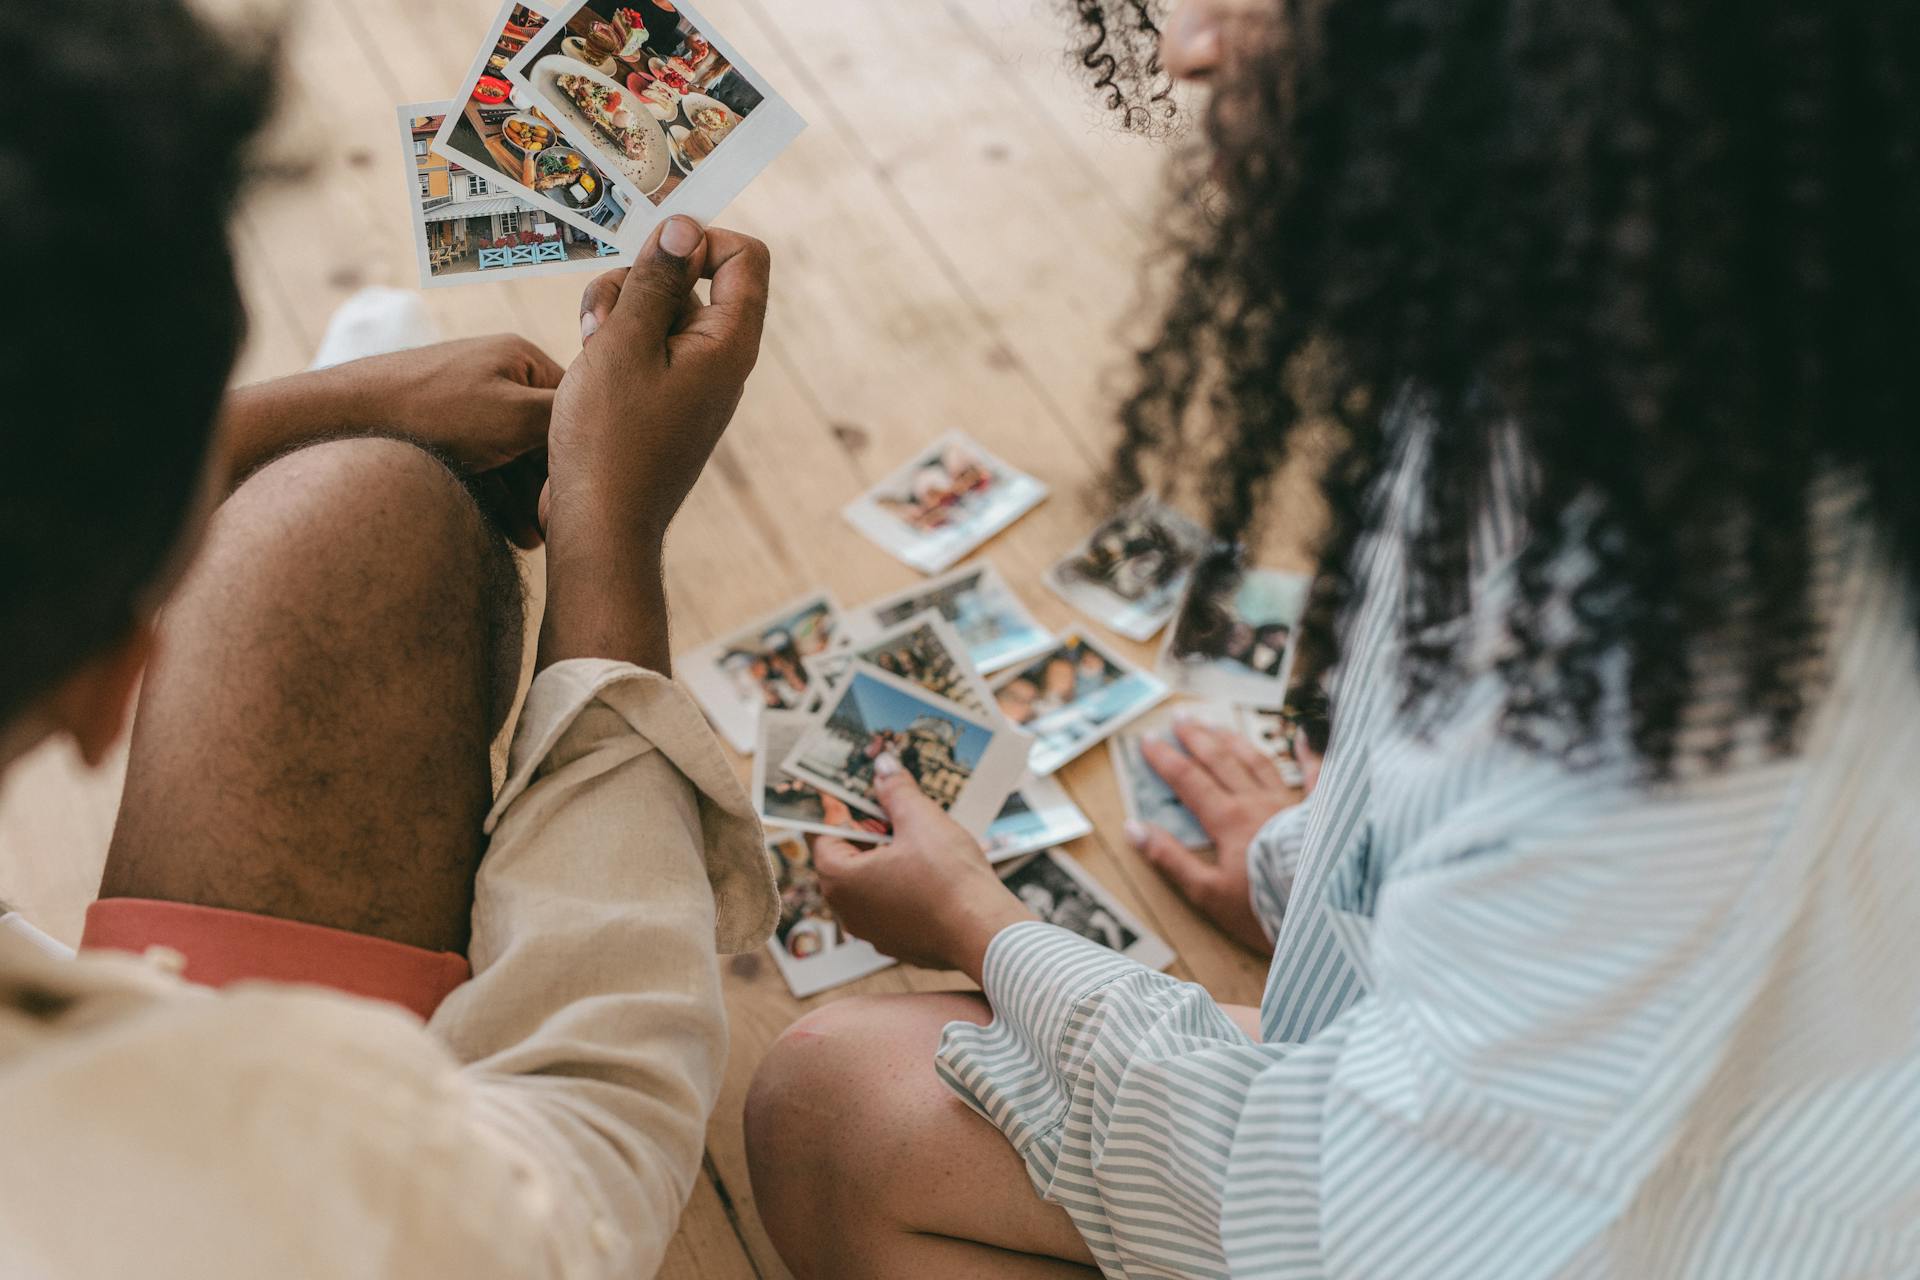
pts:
pixel 1522 1020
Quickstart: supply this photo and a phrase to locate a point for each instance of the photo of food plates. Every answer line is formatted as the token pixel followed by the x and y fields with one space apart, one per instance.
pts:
pixel 650 93
pixel 502 136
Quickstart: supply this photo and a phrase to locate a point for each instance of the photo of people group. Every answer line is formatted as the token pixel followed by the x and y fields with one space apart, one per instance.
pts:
pixel 784 800
pixel 994 626
pixel 1073 697
pixel 915 652
pixel 1051 886
pixel 1130 572
pixel 944 503
pixel 770 665
pixel 811 949
pixel 1235 641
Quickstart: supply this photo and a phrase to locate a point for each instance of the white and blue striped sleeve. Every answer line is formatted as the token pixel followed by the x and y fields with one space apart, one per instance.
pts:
pixel 1273 859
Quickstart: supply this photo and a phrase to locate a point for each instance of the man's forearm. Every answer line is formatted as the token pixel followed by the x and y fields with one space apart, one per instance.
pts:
pixel 606 603
pixel 266 419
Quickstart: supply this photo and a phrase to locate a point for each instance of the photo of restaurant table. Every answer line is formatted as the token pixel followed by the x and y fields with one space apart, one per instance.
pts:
pixel 654 74
pixel 497 126
pixel 471 227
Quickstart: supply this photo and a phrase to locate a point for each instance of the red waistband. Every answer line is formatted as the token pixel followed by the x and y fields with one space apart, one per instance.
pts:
pixel 223 947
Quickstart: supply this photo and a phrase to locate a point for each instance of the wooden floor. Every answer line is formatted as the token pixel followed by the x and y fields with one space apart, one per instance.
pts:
pixel 956 238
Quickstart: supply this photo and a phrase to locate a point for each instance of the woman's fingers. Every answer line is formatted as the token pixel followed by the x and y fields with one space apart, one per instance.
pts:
pixel 1211 748
pixel 1266 774
pixel 1186 870
pixel 1192 781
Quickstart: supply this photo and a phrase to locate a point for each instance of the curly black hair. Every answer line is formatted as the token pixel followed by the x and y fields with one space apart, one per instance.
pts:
pixel 1671 245
pixel 126 316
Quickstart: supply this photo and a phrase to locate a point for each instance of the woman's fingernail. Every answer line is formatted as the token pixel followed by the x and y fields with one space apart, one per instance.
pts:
pixel 681 236
pixel 1136 833
pixel 589 325
pixel 886 765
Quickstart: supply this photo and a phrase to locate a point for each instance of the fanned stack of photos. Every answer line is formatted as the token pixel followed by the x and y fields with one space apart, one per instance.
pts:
pixel 579 127
pixel 910 693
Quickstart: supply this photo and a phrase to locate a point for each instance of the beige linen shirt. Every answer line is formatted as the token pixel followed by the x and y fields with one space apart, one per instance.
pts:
pixel 548 1121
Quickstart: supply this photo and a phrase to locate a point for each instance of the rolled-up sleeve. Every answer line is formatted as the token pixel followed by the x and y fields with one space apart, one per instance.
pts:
pixel 624 855
pixel 1121 1089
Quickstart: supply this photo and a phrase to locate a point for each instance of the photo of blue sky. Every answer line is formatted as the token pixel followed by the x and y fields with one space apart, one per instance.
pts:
pixel 870 706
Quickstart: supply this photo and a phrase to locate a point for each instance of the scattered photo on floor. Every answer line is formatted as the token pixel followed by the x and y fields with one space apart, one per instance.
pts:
pixel 1075 695
pixel 1038 816
pixel 923 649
pixel 1144 794
pixel 967 763
pixel 943 504
pixel 657 97
pixel 1236 643
pixel 1055 888
pixel 810 948
pixel 792 804
pixel 1130 572
pixel 995 627
pixel 759 667
pixel 513 149
pixel 466 233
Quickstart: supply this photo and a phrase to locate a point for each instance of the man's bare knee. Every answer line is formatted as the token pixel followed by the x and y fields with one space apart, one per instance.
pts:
pixel 381 533
pixel 312 738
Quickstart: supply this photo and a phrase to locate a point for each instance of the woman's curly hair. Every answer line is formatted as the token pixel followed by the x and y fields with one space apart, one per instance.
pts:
pixel 1673 246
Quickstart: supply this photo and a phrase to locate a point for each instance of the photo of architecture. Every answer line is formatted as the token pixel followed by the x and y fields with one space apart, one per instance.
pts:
pixel 473 226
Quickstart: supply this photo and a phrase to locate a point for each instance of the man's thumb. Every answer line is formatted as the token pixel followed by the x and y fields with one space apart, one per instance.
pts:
pixel 661 278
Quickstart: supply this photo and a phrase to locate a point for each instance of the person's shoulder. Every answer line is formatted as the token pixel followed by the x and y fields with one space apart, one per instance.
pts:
pixel 305 1133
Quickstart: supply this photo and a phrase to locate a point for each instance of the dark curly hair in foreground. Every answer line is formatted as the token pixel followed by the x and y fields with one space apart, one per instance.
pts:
pixel 123 315
pixel 1673 244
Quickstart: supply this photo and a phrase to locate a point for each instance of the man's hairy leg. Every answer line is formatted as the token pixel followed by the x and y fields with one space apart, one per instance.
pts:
pixel 312 738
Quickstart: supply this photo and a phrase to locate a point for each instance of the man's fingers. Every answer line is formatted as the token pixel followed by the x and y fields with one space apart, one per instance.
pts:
pixel 1210 748
pixel 1186 870
pixel 542 370
pixel 596 302
pixel 1189 779
pixel 658 282
pixel 730 324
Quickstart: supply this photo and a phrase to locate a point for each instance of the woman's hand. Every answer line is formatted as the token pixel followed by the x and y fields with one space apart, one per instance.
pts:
pixel 634 422
pixel 1232 788
pixel 929 898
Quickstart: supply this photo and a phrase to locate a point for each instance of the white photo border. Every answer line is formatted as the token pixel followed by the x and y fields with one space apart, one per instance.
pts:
pixel 851 961
pixel 700 672
pixel 892 535
pixel 746 151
